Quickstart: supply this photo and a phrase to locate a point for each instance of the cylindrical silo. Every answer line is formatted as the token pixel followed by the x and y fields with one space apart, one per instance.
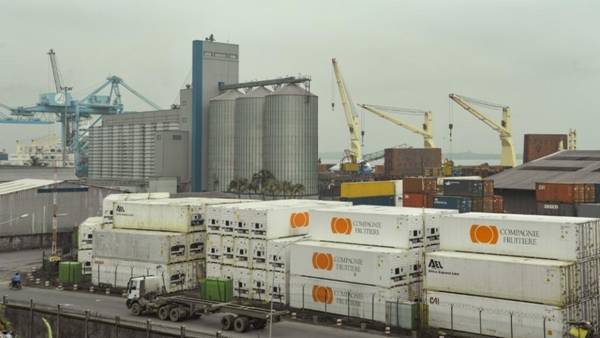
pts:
pixel 290 139
pixel 248 141
pixel 221 112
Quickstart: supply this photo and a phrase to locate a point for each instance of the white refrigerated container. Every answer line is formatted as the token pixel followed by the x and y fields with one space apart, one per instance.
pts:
pixel 196 245
pixel 227 271
pixel 362 264
pixel 545 281
pixel 85 258
pixel 242 252
pixel 144 246
pixel 553 237
pixel 505 318
pixel 108 203
pixel 378 225
pixel 85 232
pixel 175 214
pixel 214 248
pixel 273 254
pixel 242 282
pixel 347 299
pixel 228 249
pixel 213 270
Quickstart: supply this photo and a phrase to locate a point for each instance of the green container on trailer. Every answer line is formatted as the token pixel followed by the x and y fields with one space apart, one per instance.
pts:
pixel 69 272
pixel 217 289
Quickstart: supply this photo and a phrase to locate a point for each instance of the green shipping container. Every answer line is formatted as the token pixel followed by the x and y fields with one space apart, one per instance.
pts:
pixel 69 272
pixel 217 289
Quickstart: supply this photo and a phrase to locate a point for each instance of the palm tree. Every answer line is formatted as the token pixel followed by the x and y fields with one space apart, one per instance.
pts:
pixel 260 178
pixel 297 189
pixel 273 187
pixel 286 188
pixel 238 185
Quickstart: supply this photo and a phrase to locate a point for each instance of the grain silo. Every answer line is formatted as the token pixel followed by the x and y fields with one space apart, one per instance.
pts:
pixel 221 112
pixel 248 141
pixel 290 139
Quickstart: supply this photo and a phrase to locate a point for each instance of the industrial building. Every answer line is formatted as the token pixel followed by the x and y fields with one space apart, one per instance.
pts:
pixel 222 130
pixel 27 208
pixel 44 151
pixel 517 185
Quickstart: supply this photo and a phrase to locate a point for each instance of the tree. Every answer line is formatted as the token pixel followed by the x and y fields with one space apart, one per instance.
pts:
pixel 297 189
pixel 286 188
pixel 272 187
pixel 238 186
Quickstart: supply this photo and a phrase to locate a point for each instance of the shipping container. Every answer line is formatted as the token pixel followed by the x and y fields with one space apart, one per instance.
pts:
pixel 273 254
pixel 242 282
pixel 86 232
pixel 176 215
pixel 69 272
pixel 564 193
pixel 401 162
pixel 588 210
pixel 378 226
pixel 227 271
pixel 555 209
pixel 214 248
pixel 417 200
pixel 144 246
pixel 540 145
pixel 176 277
pixel 597 190
pixel 460 203
pixel 505 318
pixel 498 204
pixel 213 270
pixel 228 249
pixel 217 289
pixel 389 201
pixel 563 238
pixel 468 187
pixel 361 264
pixel 242 252
pixel 482 204
pixel 352 190
pixel 196 245
pixel 544 281
pixel 347 299
pixel 85 258
pixel 109 201
pixel 420 185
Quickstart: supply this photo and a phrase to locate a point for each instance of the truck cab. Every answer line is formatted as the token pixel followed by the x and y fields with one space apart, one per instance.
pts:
pixel 138 287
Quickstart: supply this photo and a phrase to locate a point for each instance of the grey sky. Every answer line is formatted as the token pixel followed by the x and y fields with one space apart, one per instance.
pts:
pixel 539 57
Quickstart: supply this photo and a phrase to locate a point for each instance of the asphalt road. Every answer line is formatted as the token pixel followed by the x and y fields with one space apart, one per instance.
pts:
pixel 115 306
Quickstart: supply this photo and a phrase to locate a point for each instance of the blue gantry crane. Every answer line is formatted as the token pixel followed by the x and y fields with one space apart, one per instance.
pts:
pixel 70 112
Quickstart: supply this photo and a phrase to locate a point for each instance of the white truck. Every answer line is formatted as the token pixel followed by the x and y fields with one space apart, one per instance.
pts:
pixel 146 295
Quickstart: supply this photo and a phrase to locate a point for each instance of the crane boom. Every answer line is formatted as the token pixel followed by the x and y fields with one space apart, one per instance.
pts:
pixel 352 119
pixel 504 130
pixel 426 132
pixel 55 73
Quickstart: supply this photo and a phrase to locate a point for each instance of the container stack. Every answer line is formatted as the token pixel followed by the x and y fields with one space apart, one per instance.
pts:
pixel 361 259
pixel 467 194
pixel 85 241
pixel 161 237
pixel 562 199
pixel 514 275
pixel 249 243
pixel 384 193
pixel 108 204
pixel 418 192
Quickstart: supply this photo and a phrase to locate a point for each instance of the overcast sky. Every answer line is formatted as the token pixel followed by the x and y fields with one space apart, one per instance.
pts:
pixel 542 58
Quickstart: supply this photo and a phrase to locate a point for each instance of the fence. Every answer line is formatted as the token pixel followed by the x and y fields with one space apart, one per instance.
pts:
pixel 26 318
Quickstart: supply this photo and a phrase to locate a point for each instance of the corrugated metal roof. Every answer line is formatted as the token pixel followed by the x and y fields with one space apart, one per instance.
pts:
pixel 568 166
pixel 23 184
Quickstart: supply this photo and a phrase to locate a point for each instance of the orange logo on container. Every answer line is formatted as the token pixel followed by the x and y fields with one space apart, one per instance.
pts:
pixel 341 225
pixel 322 294
pixel 299 220
pixel 484 234
pixel 322 261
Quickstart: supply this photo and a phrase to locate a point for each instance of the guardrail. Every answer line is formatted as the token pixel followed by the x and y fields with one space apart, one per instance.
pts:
pixel 61 316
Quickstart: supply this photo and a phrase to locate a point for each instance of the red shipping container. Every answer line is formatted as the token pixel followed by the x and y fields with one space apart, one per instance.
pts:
pixel 590 193
pixel 419 185
pixel 488 188
pixel 498 204
pixel 560 192
pixel 417 200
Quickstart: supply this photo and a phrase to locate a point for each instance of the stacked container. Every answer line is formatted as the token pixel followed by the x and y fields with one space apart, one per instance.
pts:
pixel 249 243
pixel 361 259
pixel 467 194
pixel 522 274
pixel 418 192
pixel 85 240
pixel 384 193
pixel 164 237
pixel 562 199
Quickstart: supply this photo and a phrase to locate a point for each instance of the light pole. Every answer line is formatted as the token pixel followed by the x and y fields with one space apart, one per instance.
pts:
pixel 15 218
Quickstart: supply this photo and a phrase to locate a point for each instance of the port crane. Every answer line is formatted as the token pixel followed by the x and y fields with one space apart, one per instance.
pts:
pixel 386 112
pixel 504 129
pixel 70 112
pixel 354 154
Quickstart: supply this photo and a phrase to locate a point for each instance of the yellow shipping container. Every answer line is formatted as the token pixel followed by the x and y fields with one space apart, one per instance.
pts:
pixel 367 189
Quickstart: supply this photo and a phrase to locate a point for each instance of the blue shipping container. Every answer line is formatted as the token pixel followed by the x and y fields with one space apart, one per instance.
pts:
pixel 460 203
pixel 376 200
pixel 597 193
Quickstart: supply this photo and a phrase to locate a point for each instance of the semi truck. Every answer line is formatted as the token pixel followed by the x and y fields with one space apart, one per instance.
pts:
pixel 146 295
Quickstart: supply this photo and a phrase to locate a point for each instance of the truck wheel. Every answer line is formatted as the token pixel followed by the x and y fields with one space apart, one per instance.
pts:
pixel 227 322
pixel 241 324
pixel 163 312
pixel 176 314
pixel 136 309
pixel 260 324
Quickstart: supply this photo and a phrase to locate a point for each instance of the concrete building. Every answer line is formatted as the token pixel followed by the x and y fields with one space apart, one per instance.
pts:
pixel 43 151
pixel 26 210
pixel 517 185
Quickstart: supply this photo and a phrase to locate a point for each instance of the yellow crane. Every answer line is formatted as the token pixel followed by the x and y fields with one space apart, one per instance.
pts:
pixel 507 157
pixel 426 131
pixel 354 154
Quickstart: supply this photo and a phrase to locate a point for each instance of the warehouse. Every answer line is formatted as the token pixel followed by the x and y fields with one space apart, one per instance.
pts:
pixel 517 185
pixel 26 210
